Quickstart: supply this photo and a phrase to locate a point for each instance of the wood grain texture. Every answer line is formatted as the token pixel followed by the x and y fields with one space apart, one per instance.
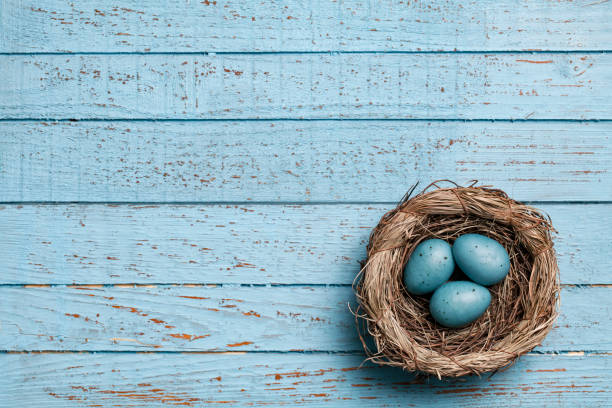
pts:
pixel 159 26
pixel 364 161
pixel 239 126
pixel 254 379
pixel 247 86
pixel 250 244
pixel 204 318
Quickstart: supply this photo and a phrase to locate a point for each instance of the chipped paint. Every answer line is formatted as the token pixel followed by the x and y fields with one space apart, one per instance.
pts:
pixel 239 344
pixel 159 62
pixel 189 337
pixel 535 62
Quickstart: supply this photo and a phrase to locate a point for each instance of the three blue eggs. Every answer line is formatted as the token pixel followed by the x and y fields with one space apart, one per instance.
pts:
pixel 455 304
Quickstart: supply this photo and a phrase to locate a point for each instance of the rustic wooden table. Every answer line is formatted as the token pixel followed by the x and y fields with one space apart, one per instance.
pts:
pixel 187 188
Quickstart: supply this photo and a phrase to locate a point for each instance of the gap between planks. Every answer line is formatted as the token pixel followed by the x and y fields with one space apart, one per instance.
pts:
pixel 307 119
pixel 570 353
pixel 264 203
pixel 230 285
pixel 330 52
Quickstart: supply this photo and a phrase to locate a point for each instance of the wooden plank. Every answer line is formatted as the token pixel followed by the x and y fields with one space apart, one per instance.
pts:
pixel 159 26
pixel 253 379
pixel 248 86
pixel 260 318
pixel 364 161
pixel 244 244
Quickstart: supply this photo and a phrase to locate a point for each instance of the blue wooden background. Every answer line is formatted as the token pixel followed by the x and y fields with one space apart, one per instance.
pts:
pixel 187 187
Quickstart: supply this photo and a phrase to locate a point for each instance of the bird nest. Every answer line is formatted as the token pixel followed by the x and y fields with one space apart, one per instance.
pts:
pixel 523 305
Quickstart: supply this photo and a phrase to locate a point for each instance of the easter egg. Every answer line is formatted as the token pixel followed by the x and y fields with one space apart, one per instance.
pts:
pixel 482 259
pixel 458 303
pixel 430 265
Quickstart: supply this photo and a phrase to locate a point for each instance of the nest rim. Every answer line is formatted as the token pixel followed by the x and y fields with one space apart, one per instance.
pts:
pixel 524 305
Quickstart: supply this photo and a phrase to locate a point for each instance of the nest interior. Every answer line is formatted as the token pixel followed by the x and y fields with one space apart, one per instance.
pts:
pixel 523 306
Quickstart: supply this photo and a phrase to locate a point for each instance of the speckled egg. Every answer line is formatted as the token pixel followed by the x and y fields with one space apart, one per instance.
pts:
pixel 458 303
pixel 482 259
pixel 430 265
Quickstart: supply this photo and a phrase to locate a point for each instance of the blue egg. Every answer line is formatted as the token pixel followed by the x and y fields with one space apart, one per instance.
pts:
pixel 482 259
pixel 458 303
pixel 430 265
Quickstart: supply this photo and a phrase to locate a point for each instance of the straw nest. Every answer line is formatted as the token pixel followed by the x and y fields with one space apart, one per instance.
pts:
pixel 523 305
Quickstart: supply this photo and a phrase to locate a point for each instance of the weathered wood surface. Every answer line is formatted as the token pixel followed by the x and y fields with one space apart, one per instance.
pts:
pixel 251 244
pixel 139 62
pixel 254 379
pixel 366 161
pixel 260 318
pixel 247 86
pixel 161 26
